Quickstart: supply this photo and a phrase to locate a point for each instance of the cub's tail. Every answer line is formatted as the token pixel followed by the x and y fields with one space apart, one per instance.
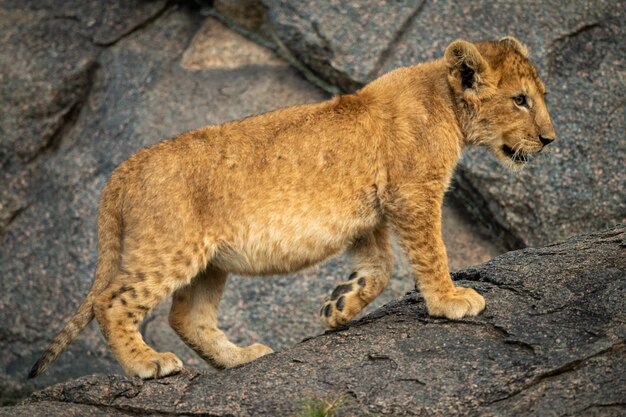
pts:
pixel 77 323
pixel 109 251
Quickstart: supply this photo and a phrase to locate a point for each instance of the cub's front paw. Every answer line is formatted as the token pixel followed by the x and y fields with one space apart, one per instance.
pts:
pixel 456 304
pixel 154 365
pixel 254 351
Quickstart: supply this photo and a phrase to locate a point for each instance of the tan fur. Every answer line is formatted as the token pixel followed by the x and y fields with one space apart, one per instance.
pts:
pixel 282 191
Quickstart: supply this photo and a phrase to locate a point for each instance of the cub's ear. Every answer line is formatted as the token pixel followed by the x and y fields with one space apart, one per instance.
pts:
pixel 467 68
pixel 515 44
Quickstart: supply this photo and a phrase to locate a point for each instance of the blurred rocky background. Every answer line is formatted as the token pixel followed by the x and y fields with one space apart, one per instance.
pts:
pixel 85 83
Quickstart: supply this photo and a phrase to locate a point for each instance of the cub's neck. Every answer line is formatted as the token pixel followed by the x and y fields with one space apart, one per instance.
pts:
pixel 415 98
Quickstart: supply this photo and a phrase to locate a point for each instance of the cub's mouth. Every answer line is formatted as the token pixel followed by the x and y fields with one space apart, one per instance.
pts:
pixel 519 157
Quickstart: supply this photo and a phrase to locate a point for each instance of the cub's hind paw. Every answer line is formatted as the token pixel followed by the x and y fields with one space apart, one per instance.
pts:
pixel 154 365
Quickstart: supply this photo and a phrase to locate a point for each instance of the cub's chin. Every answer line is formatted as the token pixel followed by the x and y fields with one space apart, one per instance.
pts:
pixel 513 159
pixel 518 156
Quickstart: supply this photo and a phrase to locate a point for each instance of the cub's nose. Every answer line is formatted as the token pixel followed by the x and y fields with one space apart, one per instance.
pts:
pixel 545 140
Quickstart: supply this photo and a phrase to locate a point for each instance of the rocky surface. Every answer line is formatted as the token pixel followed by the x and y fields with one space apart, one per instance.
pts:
pixel 551 342
pixel 83 84
pixel 578 48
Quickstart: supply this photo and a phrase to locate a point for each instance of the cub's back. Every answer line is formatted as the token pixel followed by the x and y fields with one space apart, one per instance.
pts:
pixel 304 175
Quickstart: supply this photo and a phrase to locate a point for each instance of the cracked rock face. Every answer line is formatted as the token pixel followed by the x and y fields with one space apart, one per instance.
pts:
pixel 552 341
pixel 48 58
pixel 580 53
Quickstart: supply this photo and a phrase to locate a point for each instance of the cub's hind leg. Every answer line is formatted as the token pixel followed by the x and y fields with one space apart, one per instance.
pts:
pixel 194 318
pixel 119 310
pixel 148 277
pixel 373 264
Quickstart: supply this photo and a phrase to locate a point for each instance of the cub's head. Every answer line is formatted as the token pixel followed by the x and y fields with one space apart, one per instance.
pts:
pixel 500 97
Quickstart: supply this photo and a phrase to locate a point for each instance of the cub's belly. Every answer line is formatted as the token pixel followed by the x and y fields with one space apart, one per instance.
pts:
pixel 286 245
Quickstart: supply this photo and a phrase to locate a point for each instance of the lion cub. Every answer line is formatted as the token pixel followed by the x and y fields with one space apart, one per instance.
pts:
pixel 282 191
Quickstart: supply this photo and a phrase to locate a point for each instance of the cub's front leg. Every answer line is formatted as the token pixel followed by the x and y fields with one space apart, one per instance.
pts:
pixel 416 215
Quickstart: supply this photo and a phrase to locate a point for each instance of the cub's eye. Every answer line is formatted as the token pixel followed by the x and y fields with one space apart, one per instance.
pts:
pixel 521 100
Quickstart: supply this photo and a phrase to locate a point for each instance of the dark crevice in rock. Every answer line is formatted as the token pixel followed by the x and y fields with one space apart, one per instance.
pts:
pixel 585 411
pixel 411 380
pixel 138 27
pixel 475 276
pixel 325 43
pixel 577 32
pixel 469 274
pixel 568 367
pixel 71 18
pixel 578 363
pixel 398 38
pixel 515 289
pixel 468 196
pixel 107 409
pixel 528 348
pixel 550 311
pixel 284 52
pixel 502 334
pixel 557 43
pixel 518 291
pixel 137 411
pixel 13 216
pixel 185 390
pixel 70 116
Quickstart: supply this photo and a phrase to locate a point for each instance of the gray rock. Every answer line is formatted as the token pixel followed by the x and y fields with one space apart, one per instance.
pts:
pixel 552 341
pixel 48 59
pixel 579 49
pixel 347 42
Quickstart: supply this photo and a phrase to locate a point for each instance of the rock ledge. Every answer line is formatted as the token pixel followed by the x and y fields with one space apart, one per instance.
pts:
pixel 551 340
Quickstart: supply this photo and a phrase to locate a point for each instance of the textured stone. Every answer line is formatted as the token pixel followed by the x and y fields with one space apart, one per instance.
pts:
pixel 552 341
pixel 346 41
pixel 47 62
pixel 580 52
